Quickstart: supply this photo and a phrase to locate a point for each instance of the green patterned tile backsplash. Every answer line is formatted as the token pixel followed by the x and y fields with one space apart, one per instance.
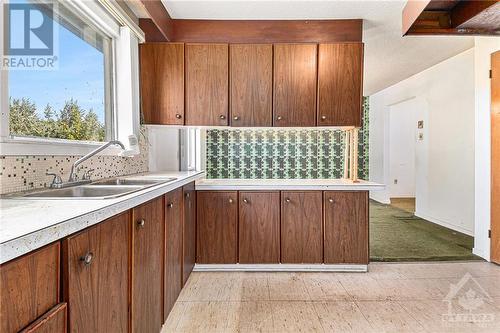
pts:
pixel 268 153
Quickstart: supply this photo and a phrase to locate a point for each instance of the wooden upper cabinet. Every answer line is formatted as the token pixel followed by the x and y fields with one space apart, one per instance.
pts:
pixel 301 227
pixel 29 287
pixel 346 227
pixel 162 83
pixel 147 266
pixel 95 276
pixel 295 76
pixel 207 90
pixel 217 227
pixel 189 231
pixel 173 249
pixel 251 77
pixel 259 227
pixel 340 84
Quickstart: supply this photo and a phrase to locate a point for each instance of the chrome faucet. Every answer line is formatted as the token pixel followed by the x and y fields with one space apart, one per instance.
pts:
pixel 75 165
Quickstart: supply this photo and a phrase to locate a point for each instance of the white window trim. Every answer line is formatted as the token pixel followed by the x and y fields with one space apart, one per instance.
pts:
pixel 126 35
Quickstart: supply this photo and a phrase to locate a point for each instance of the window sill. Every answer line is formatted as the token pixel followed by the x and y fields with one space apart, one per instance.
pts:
pixel 32 146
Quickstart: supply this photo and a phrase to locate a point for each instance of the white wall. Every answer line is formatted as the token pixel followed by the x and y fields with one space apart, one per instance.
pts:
pixel 402 138
pixel 164 154
pixel 444 166
pixel 483 48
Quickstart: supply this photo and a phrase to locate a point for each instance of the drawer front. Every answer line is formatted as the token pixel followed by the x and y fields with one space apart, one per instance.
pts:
pixel 54 321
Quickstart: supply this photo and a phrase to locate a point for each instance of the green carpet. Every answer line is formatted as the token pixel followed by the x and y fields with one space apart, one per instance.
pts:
pixel 396 235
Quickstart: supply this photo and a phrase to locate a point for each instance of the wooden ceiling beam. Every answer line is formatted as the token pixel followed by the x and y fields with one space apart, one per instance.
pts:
pixel 161 18
pixel 466 10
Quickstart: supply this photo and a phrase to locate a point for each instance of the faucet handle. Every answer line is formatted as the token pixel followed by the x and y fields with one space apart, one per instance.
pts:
pixel 56 180
pixel 87 174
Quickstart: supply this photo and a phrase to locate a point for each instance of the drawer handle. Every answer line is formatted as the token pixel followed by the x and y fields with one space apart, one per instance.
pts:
pixel 236 118
pixel 222 116
pixel 87 258
pixel 170 205
pixel 246 201
pixel 288 200
pixel 330 200
pixel 323 117
pixel 279 117
pixel 178 116
pixel 141 223
pixel 230 200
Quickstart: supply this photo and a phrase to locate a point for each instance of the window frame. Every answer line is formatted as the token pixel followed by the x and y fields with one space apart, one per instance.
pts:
pixel 123 72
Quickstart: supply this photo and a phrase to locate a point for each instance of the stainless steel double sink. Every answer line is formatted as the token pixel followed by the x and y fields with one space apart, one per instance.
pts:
pixel 103 189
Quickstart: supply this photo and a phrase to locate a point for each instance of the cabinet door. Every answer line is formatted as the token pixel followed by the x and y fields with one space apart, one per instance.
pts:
pixel 189 232
pixel 29 287
pixel 217 233
pixel 259 224
pixel 147 266
pixel 96 266
pixel 251 70
pixel 346 227
pixel 173 249
pixel 295 84
pixel 207 90
pixel 162 83
pixel 340 78
pixel 54 321
pixel 301 227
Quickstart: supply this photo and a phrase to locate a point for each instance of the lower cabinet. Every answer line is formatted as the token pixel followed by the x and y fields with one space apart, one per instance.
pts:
pixel 95 276
pixel 346 227
pixel 301 227
pixel 189 231
pixel 29 287
pixel 54 321
pixel 217 227
pixel 259 227
pixel 148 230
pixel 173 249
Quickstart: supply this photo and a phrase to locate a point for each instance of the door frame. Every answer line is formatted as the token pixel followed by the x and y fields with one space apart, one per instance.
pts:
pixel 495 158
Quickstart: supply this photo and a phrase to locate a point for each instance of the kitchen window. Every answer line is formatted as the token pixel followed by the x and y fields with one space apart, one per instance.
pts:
pixel 90 95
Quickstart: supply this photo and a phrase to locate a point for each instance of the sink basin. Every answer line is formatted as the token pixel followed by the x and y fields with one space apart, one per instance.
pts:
pixel 132 181
pixel 85 192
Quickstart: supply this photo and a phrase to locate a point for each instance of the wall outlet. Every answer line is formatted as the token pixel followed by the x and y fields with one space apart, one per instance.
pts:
pixel 420 136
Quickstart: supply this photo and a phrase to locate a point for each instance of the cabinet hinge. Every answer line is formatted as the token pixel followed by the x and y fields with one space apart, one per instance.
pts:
pixel 491 73
pixel 489 233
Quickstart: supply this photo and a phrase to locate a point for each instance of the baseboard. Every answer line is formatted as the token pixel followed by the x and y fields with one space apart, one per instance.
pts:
pixel 280 268
pixel 444 224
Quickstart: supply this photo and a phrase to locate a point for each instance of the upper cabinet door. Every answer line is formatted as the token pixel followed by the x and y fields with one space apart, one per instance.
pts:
pixel 340 81
pixel 251 70
pixel 295 76
pixel 207 84
pixel 162 83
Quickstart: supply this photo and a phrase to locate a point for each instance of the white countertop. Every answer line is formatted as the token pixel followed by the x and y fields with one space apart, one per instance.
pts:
pixel 286 184
pixel 28 224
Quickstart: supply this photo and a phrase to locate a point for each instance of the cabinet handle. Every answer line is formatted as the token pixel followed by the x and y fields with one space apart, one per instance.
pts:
pixel 287 200
pixel 187 195
pixel 178 116
pixel 222 116
pixel 245 201
pixel 279 117
pixel 330 200
pixel 236 118
pixel 87 258
pixel 230 200
pixel 323 117
pixel 141 223
pixel 170 205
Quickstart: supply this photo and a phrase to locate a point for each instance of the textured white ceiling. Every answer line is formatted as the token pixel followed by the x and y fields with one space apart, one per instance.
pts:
pixel 389 58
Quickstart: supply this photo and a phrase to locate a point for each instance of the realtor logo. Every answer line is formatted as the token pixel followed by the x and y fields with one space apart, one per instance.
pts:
pixel 466 302
pixel 29 36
